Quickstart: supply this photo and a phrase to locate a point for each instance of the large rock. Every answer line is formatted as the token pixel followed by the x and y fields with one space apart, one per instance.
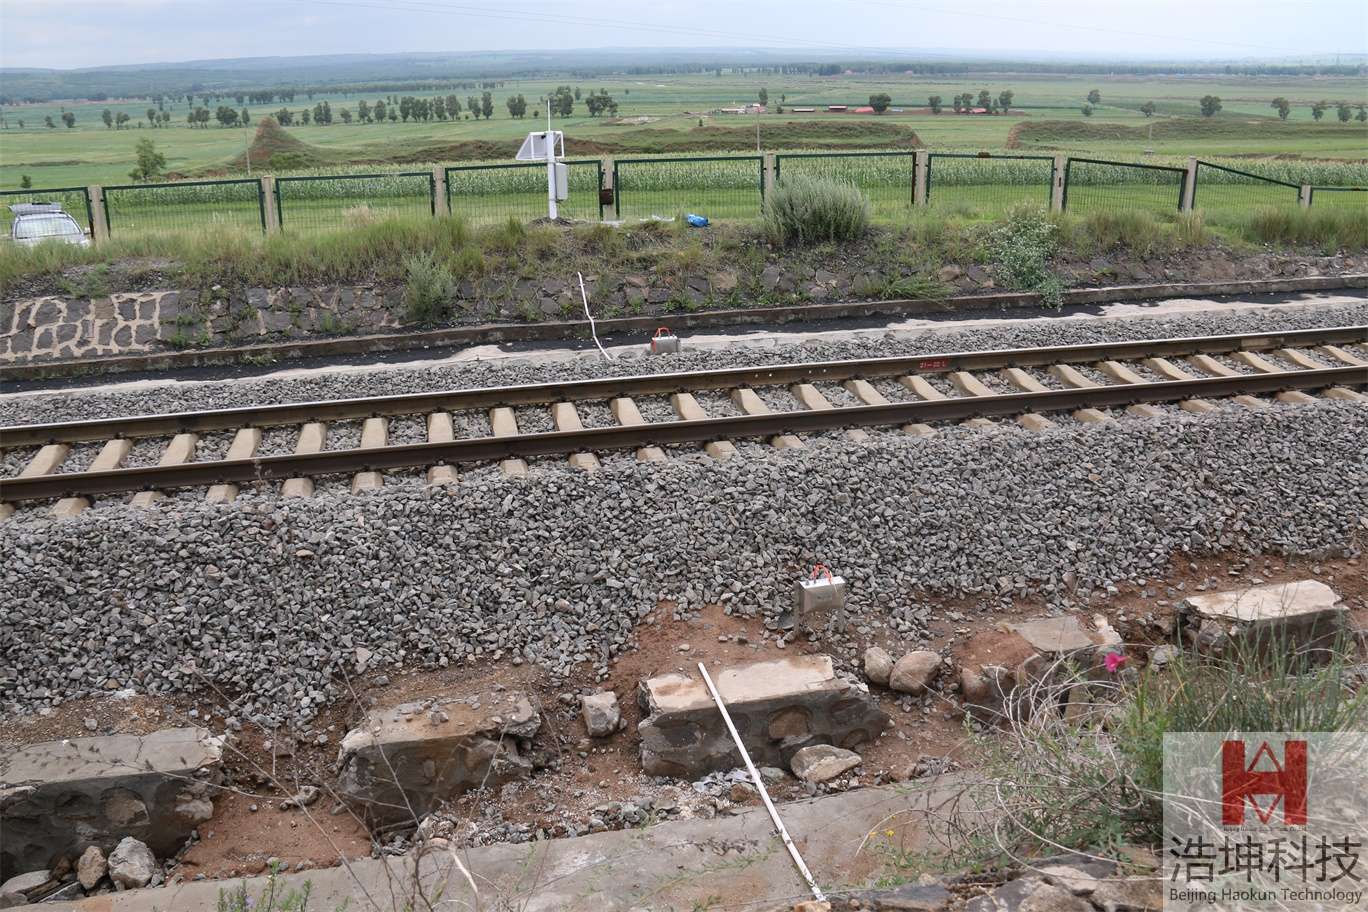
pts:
pixel 1294 617
pixel 822 762
pixel 92 867
pixel 403 761
pixel 914 672
pixel 878 665
pixel 132 864
pixel 1129 894
pixel 1028 894
pixel 778 707
pixel 59 797
pixel 905 898
pixel 602 715
pixel 26 883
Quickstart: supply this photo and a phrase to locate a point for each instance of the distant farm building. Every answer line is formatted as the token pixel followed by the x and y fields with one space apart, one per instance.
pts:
pixel 751 108
pixel 802 110
pixel 864 109
pixel 837 108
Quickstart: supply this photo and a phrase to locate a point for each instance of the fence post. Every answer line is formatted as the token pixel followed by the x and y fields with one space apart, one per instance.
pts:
pixel 441 205
pixel 606 171
pixel 767 182
pixel 920 160
pixel 99 231
pixel 1304 196
pixel 268 196
pixel 1057 187
pixel 1189 185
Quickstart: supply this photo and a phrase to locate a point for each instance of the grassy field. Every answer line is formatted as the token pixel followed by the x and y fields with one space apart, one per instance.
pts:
pixel 1247 126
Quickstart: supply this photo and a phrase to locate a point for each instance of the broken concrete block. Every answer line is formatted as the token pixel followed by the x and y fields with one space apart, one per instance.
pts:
pixel 821 762
pixel 59 797
pixel 1297 616
pixel 778 708
pixel 602 716
pixel 914 672
pixel 403 761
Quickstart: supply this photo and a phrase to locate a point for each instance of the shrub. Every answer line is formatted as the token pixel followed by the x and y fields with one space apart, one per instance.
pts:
pixel 1020 249
pixel 815 210
pixel 429 289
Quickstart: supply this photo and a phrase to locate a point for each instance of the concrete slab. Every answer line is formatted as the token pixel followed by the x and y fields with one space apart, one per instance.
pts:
pixel 59 797
pixel 1054 635
pixel 1302 614
pixel 403 761
pixel 778 708
pixel 681 864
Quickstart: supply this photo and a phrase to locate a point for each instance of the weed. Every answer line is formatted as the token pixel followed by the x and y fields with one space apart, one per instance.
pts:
pixel 812 210
pixel 1191 229
pixel 89 283
pixel 273 898
pixel 469 262
pixel 429 289
pixel 1325 229
pixel 1021 249
pixel 506 237
pixel 915 287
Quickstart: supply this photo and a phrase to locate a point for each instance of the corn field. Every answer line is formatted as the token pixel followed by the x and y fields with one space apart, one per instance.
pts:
pixel 726 187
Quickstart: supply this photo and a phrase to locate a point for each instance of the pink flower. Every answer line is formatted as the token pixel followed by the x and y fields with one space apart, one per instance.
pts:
pixel 1113 661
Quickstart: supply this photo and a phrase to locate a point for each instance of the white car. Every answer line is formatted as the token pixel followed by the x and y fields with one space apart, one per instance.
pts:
pixel 38 222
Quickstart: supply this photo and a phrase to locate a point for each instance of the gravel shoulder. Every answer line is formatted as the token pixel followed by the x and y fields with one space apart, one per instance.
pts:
pixel 268 600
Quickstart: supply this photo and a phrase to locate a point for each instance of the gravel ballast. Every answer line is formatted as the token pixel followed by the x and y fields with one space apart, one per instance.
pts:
pixel 196 396
pixel 269 599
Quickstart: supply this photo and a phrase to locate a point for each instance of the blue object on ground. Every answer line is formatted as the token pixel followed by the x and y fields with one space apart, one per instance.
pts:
pixel 697 221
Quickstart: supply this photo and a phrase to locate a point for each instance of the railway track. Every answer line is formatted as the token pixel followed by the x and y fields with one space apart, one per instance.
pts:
pixel 1037 387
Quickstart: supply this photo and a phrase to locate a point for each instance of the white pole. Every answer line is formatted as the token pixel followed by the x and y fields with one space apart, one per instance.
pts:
pixel 760 787
pixel 550 165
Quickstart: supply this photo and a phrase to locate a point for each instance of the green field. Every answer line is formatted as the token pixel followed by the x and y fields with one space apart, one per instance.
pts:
pixel 90 153
pixel 706 168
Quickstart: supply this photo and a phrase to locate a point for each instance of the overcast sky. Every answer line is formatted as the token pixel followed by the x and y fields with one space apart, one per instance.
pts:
pixel 81 33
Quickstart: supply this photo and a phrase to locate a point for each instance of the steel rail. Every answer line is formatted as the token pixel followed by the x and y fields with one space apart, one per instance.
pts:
pixel 484 449
pixel 298 413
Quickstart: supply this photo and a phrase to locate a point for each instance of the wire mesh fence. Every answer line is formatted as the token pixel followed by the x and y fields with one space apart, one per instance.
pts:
pixel 984 186
pixel 729 187
pixel 74 201
pixel 1354 199
pixel 1219 188
pixel 496 193
pixel 885 178
pixel 324 203
pixel 226 205
pixel 1091 185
